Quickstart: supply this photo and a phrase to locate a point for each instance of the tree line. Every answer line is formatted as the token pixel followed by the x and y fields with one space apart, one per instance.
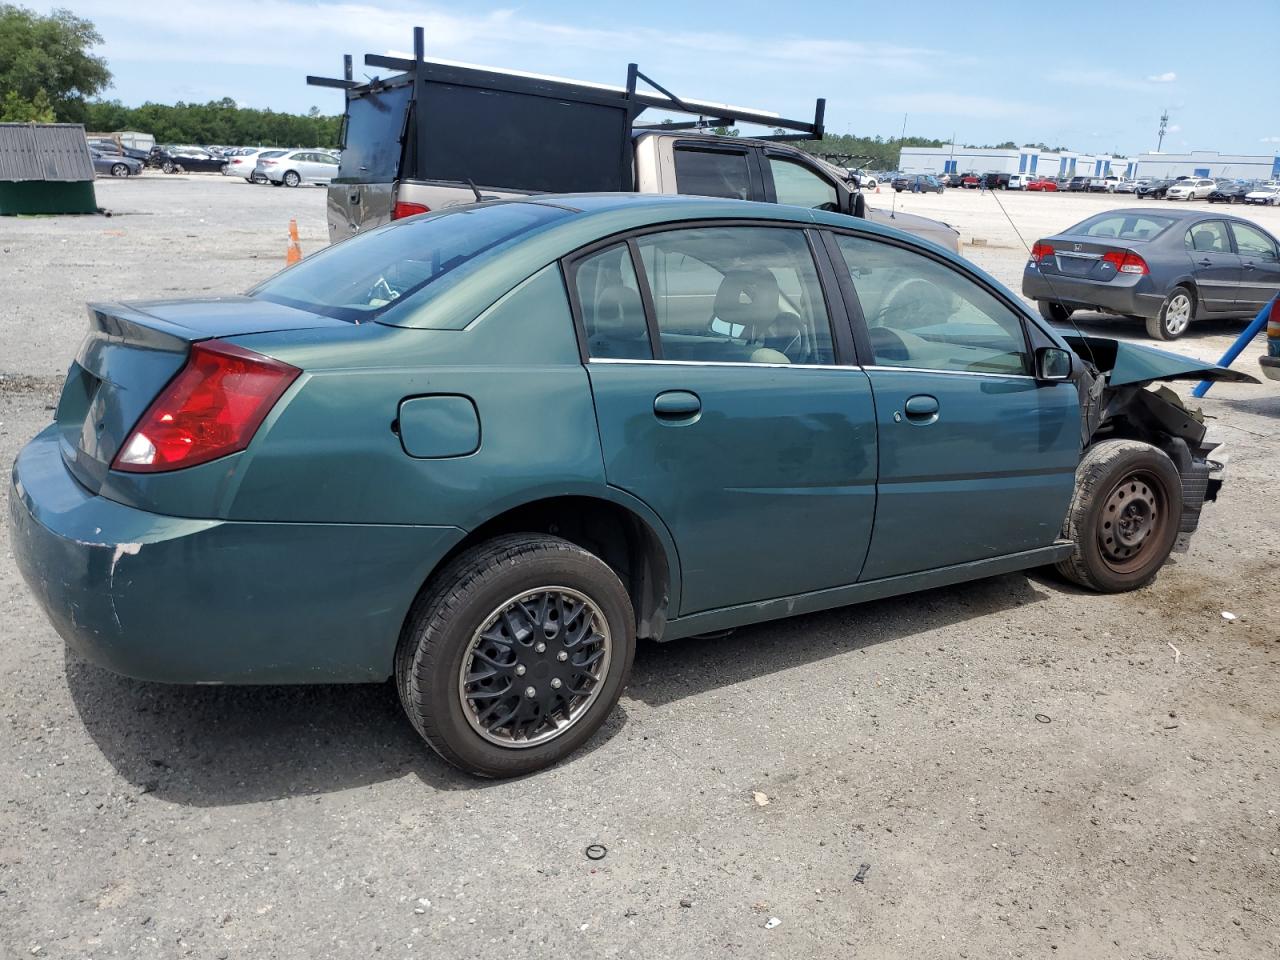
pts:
pixel 219 121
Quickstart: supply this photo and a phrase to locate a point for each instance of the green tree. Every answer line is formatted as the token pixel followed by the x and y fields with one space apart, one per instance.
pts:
pixel 36 110
pixel 46 63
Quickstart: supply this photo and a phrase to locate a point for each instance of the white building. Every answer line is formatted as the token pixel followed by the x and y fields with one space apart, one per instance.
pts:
pixel 1209 163
pixel 1031 161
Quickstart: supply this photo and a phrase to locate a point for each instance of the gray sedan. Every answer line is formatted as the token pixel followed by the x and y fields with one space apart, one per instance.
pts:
pixel 1167 268
pixel 115 164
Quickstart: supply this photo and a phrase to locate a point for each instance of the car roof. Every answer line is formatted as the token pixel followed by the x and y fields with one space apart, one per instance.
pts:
pixel 462 294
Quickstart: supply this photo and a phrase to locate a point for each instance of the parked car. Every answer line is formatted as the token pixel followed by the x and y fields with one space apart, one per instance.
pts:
pixel 1193 188
pixel 971 181
pixel 1018 181
pixel 918 183
pixel 865 181
pixel 1271 362
pixel 243 162
pixel 1168 268
pixel 259 174
pixel 1105 184
pixel 503 582
pixel 1126 186
pixel 1153 189
pixel 1265 196
pixel 292 168
pixel 1043 185
pixel 1078 185
pixel 114 164
pixel 109 146
pixel 188 159
pixel 1231 192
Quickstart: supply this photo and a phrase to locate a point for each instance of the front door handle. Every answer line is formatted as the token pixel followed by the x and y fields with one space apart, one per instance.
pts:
pixel 922 408
pixel 676 405
pixel 1206 262
pixel 1248 265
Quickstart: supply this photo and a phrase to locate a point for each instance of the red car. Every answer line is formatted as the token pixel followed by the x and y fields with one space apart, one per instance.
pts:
pixel 971 181
pixel 1044 184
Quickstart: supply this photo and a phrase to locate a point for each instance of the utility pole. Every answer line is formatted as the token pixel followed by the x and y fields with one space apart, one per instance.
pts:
pixel 1164 123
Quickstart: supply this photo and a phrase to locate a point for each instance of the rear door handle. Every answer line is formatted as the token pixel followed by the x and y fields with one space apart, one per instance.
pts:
pixel 676 405
pixel 922 408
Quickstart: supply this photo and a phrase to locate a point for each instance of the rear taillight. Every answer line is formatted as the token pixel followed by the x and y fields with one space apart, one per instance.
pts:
pixel 213 407
pixel 404 208
pixel 1126 261
pixel 1041 251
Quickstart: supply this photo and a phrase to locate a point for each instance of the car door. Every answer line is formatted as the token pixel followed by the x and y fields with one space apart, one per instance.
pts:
pixel 326 167
pixel 1259 266
pixel 977 457
pixel 788 180
pixel 1214 263
pixel 725 403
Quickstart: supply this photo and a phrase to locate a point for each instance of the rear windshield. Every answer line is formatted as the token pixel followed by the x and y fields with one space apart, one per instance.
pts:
pixel 375 123
pixel 1121 226
pixel 359 279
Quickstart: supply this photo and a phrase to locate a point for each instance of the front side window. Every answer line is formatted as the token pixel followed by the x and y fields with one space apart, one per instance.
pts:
pixel 925 314
pixel 713 173
pixel 737 295
pixel 1252 242
pixel 612 309
pixel 797 184
pixel 1208 237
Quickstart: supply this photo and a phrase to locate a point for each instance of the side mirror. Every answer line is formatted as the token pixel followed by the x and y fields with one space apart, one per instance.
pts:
pixel 1053 363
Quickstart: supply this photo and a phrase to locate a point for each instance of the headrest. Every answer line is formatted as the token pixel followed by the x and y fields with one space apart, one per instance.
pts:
pixel 747 297
pixel 618 308
pixel 1203 240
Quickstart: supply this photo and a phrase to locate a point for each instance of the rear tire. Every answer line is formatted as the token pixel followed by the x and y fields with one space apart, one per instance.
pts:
pixel 1054 312
pixel 1175 316
pixel 1123 517
pixel 483 615
pixel 291 179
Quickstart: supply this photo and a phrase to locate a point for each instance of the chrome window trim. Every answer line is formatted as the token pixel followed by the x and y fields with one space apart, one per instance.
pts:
pixel 804 366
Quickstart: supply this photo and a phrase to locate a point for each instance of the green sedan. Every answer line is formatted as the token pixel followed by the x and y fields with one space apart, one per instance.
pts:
pixel 484 451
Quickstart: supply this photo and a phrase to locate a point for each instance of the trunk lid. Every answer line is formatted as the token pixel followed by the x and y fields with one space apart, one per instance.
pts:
pixel 131 352
pixel 1081 258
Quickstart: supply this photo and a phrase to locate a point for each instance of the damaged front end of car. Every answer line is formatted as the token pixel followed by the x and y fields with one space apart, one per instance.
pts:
pixel 1118 400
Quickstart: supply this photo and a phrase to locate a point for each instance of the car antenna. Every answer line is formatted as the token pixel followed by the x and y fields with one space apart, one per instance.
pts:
pixel 1022 240
pixel 472 184
pixel 893 205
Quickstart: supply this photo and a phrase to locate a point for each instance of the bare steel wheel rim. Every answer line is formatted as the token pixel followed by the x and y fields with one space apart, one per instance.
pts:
pixel 534 667
pixel 1177 316
pixel 1134 517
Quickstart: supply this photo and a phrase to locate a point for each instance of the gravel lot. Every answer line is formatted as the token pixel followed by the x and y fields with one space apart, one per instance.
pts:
pixel 1142 820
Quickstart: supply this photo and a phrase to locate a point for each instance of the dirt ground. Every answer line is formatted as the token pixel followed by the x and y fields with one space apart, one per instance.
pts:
pixel 1025 769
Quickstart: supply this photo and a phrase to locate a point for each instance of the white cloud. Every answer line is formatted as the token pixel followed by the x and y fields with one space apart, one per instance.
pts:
pixel 1168 77
pixel 953 105
pixel 1270 140
pixel 1174 128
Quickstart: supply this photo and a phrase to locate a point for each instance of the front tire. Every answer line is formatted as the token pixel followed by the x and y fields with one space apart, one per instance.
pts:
pixel 1175 316
pixel 515 654
pixel 1123 517
pixel 1054 312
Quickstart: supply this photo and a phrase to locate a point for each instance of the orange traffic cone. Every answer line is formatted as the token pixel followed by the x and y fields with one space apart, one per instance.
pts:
pixel 294 253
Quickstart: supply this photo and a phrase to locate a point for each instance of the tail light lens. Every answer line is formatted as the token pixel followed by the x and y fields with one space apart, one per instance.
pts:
pixel 1041 251
pixel 1126 261
pixel 404 208
pixel 212 408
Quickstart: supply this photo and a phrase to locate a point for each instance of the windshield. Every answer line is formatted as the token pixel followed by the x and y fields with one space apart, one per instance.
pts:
pixel 359 279
pixel 1121 226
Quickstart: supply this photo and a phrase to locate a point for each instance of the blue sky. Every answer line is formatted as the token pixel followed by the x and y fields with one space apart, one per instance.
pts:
pixel 985 72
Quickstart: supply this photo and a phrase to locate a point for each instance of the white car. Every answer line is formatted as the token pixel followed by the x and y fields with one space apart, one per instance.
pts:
pixel 1127 186
pixel 295 167
pixel 242 162
pixel 1266 195
pixel 867 181
pixel 1193 188
pixel 1018 182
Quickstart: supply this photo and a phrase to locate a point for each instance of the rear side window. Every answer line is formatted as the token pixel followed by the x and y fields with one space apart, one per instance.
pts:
pixel 362 278
pixel 922 313
pixel 1121 226
pixel 1210 237
pixel 713 173
pixel 737 295
pixel 612 309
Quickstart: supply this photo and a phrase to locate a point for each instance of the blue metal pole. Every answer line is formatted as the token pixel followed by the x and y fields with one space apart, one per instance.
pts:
pixel 1242 341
